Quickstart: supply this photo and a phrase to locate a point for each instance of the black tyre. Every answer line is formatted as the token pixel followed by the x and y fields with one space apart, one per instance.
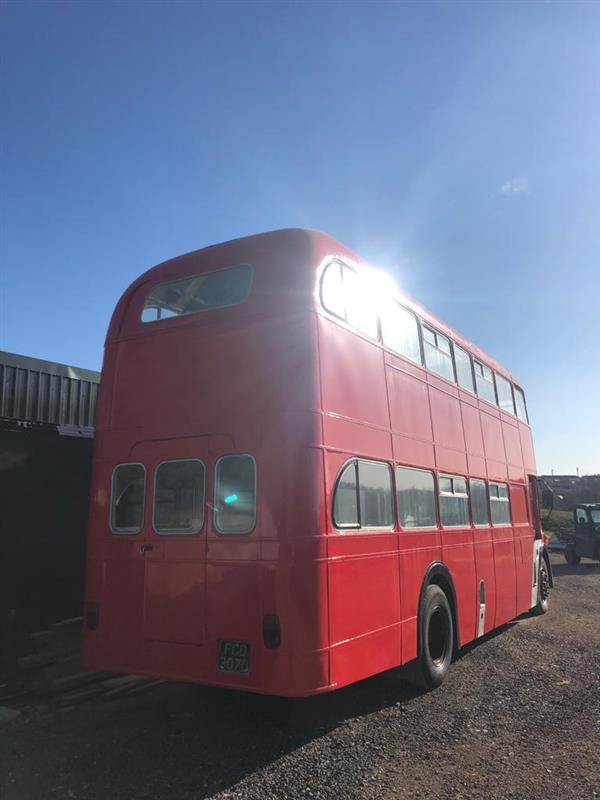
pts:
pixel 543 589
pixel 436 639
pixel 571 556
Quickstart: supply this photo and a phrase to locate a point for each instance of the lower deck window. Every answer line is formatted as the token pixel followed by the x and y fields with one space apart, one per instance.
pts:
pixel 127 498
pixel 479 502
pixel 179 497
pixel 454 501
pixel 416 498
pixel 363 496
pixel 499 504
pixel 235 494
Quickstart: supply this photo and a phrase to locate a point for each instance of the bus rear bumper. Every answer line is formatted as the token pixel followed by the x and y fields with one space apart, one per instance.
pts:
pixel 271 672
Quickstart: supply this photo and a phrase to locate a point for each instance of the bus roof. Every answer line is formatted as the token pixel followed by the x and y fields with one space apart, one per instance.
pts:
pixel 318 245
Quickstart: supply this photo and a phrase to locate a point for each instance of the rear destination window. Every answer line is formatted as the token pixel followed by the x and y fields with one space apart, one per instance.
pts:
pixel 127 498
pixel 209 290
pixel 235 494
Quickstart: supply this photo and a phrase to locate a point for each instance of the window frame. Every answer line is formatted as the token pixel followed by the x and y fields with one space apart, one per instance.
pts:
pixel 324 270
pixel 498 499
pixel 344 265
pixel 126 531
pixel 426 326
pixel 493 381
pixel 215 493
pixel 421 362
pixel 360 527
pixel 178 531
pixel 473 389
pixel 512 394
pixel 433 474
pixel 467 494
pixel 518 389
pixel 341 473
pixel 487 503
pixel 191 277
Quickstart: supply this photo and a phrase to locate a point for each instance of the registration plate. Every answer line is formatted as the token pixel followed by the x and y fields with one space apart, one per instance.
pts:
pixel 234 656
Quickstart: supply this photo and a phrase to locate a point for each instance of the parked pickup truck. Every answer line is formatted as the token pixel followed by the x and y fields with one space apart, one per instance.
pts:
pixel 585 541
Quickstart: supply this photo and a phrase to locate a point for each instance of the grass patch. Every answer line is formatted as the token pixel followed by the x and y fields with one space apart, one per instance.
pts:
pixel 557 523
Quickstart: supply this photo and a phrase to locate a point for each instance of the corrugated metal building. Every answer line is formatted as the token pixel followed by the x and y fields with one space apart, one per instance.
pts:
pixel 42 391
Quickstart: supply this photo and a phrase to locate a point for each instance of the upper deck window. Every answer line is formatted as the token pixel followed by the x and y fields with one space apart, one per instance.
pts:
pixel 464 373
pixel 484 377
pixel 438 356
pixel 209 290
pixel 345 293
pixel 520 404
pixel 505 398
pixel 400 331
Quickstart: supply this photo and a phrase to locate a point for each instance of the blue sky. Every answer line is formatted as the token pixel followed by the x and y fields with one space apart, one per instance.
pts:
pixel 456 145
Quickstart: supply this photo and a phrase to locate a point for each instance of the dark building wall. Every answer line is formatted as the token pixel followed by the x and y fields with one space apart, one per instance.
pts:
pixel 46 438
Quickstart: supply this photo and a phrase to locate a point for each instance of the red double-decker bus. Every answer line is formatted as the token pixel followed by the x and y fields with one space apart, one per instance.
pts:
pixel 301 477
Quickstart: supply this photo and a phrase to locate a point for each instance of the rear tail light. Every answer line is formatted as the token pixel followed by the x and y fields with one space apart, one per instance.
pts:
pixel 92 616
pixel 271 631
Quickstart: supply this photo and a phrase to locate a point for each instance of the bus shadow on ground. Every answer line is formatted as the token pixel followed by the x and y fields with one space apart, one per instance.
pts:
pixel 584 568
pixel 198 741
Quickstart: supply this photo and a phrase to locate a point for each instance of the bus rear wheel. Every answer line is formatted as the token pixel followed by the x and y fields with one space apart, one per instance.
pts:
pixel 436 639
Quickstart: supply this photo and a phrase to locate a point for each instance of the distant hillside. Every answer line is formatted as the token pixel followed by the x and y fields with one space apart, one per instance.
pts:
pixel 564 492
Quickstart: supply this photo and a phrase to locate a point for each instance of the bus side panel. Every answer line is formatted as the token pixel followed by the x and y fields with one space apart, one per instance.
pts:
pixel 364 621
pixel 523 546
pixel 514 456
pixel 458 556
pixel 484 565
pixel 494 447
pixel 352 378
pixel 527 448
pixel 418 550
pixel 505 574
pixel 364 605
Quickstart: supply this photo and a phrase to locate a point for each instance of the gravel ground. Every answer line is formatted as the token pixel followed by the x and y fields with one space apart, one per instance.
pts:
pixel 519 717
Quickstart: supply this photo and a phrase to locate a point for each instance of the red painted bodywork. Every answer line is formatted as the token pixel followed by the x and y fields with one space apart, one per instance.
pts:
pixel 280 379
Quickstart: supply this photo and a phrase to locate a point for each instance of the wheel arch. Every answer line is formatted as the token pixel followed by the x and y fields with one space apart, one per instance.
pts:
pixel 546 557
pixel 438 574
